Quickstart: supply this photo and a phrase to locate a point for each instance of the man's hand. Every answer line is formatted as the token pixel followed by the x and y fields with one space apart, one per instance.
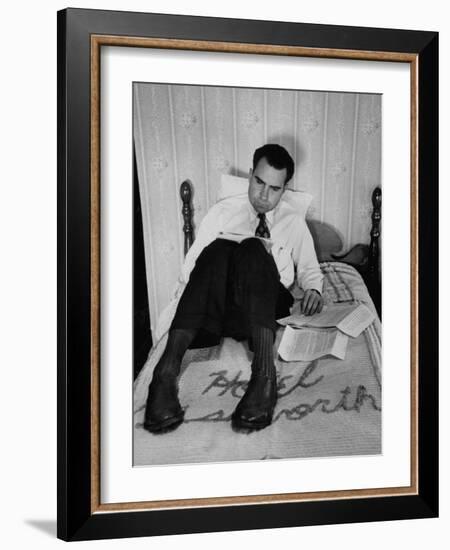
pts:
pixel 312 302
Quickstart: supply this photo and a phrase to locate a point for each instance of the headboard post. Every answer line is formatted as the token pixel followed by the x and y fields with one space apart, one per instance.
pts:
pixel 188 230
pixel 374 247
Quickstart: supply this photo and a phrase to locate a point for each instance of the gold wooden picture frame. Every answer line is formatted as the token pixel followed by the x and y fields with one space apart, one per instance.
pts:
pixel 81 513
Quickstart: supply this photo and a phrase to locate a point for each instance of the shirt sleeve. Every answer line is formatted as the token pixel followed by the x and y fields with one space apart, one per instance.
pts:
pixel 309 275
pixel 209 228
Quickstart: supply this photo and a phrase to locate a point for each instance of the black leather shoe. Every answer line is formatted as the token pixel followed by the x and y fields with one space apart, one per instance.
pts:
pixel 163 412
pixel 255 409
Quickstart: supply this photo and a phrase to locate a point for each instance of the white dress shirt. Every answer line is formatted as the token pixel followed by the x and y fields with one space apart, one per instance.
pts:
pixel 292 249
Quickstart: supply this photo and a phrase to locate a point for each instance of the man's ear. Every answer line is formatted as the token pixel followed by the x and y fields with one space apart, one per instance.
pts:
pixel 250 173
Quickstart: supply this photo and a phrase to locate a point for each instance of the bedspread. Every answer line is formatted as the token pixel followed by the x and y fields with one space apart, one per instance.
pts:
pixel 326 407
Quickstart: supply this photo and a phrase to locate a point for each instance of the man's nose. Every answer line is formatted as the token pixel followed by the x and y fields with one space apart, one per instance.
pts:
pixel 265 192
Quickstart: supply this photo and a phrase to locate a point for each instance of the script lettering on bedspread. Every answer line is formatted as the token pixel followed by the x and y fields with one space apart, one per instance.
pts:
pixel 236 386
pixel 300 411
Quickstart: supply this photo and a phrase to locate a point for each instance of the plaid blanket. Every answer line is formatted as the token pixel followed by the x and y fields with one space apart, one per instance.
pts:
pixel 327 407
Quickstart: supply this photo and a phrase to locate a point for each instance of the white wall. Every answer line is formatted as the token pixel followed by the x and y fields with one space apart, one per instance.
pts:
pixel 201 132
pixel 28 275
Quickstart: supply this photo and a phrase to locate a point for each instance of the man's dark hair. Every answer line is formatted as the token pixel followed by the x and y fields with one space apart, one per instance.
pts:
pixel 277 157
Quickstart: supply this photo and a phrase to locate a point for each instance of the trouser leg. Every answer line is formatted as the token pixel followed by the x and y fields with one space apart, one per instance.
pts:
pixel 205 301
pixel 201 310
pixel 231 288
pixel 258 296
pixel 258 292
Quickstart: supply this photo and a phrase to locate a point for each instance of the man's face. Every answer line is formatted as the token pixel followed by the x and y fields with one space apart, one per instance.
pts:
pixel 266 185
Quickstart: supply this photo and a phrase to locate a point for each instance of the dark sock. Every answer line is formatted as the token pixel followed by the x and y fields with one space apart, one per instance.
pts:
pixel 177 344
pixel 263 362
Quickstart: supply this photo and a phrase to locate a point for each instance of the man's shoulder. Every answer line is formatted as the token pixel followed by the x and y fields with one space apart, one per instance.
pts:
pixel 296 201
pixel 232 203
pixel 225 208
pixel 291 214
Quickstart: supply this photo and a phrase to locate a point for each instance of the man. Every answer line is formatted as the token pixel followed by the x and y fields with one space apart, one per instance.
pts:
pixel 238 287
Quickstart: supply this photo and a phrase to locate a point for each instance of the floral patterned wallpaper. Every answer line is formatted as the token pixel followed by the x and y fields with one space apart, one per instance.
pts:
pixel 199 133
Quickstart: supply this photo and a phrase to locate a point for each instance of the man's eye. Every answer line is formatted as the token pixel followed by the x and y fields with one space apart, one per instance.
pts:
pixel 275 188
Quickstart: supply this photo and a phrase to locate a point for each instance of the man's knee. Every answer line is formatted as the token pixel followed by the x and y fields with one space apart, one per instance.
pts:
pixel 252 252
pixel 252 259
pixel 218 250
pixel 252 246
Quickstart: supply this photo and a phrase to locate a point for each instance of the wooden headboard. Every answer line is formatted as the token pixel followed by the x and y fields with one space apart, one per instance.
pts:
pixel 327 242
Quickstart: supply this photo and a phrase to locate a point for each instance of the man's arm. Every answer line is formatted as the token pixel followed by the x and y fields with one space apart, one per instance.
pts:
pixel 309 275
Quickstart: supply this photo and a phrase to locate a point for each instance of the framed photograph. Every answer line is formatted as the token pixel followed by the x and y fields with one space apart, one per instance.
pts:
pixel 247 274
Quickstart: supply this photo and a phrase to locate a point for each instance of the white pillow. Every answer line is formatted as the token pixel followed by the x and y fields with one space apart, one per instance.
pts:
pixel 230 186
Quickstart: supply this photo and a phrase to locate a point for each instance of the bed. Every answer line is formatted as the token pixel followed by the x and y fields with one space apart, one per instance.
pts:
pixel 326 407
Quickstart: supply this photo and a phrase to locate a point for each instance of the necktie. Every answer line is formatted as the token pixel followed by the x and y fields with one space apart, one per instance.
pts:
pixel 262 230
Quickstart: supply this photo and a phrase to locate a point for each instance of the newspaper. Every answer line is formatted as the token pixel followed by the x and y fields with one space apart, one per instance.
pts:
pixel 238 237
pixel 302 344
pixel 349 319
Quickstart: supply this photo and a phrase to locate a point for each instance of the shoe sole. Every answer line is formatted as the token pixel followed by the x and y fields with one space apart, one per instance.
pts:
pixel 167 425
pixel 240 425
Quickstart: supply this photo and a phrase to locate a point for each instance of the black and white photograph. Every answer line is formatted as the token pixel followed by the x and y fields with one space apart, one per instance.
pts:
pixel 225 275
pixel 256 274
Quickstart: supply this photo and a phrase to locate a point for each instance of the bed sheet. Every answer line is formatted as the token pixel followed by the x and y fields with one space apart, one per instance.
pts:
pixel 326 407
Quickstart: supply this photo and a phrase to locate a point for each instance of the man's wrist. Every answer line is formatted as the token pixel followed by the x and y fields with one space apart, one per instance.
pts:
pixel 314 290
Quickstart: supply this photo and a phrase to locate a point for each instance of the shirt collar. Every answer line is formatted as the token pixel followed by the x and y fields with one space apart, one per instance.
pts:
pixel 269 215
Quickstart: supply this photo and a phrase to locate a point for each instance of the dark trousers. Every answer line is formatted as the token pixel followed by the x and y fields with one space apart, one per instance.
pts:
pixel 231 288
